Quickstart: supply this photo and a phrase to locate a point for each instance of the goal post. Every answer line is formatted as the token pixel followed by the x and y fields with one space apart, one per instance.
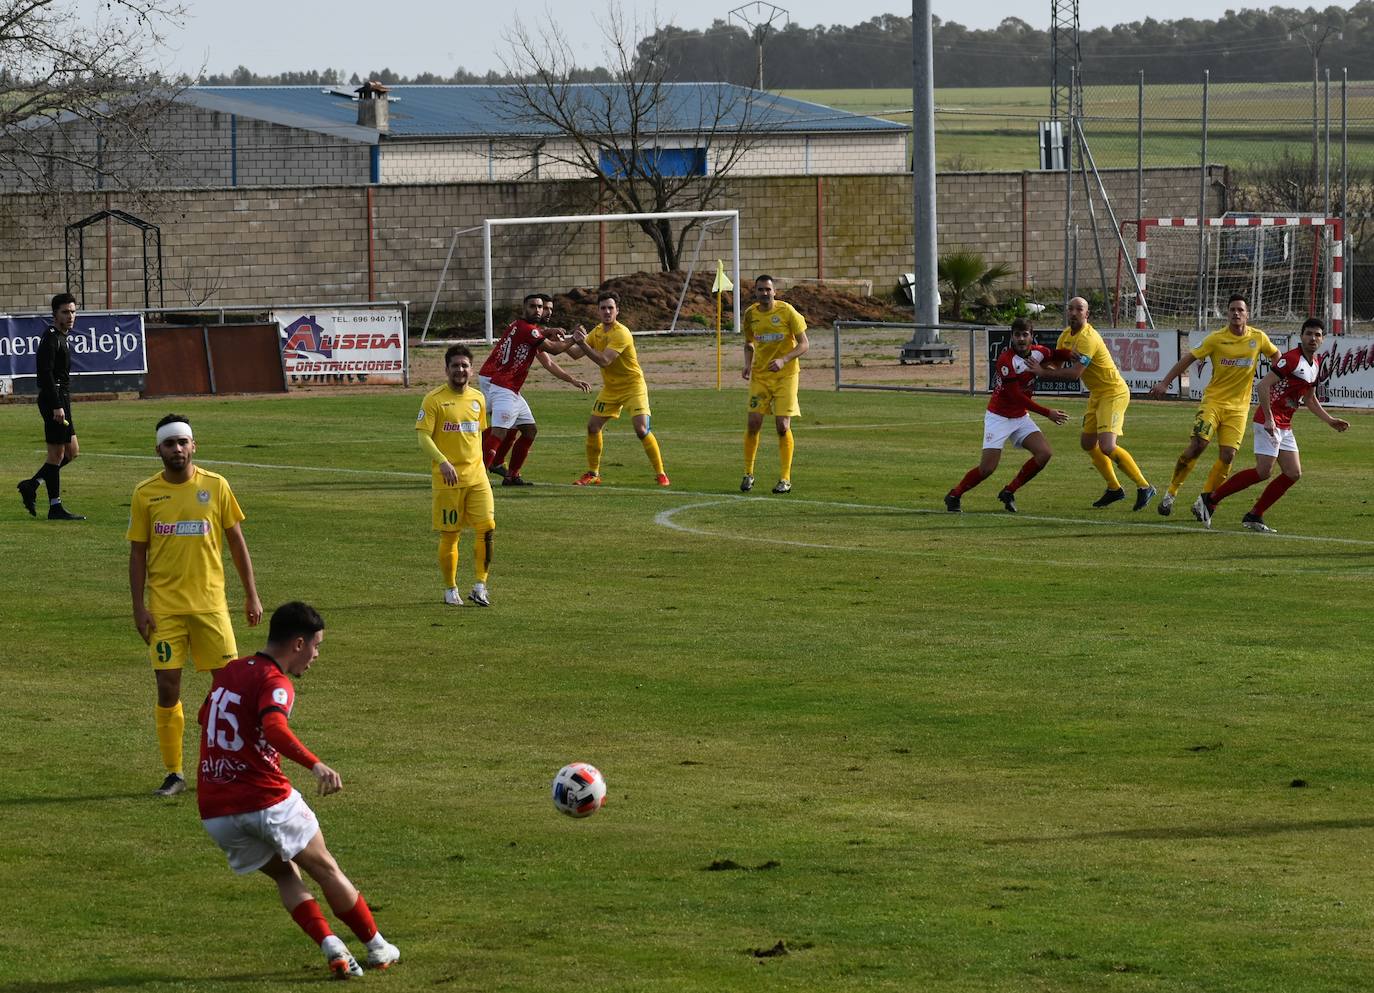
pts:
pixel 538 253
pixel 1288 266
pixel 684 215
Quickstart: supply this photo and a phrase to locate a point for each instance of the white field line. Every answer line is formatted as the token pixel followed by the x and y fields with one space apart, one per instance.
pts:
pixel 665 518
pixel 548 433
pixel 264 465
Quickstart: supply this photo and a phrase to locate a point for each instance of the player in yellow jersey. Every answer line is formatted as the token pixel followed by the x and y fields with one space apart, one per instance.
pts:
pixel 1088 360
pixel 176 519
pixel 611 347
pixel 449 428
pixel 1235 351
pixel 774 339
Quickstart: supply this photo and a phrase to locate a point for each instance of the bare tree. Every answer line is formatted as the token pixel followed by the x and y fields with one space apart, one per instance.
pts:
pixel 619 129
pixel 1286 184
pixel 79 93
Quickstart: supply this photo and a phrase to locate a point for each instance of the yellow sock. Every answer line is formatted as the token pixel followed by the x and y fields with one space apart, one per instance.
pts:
pixel 482 550
pixel 1126 464
pixel 1104 465
pixel 448 557
pixel 785 449
pixel 655 456
pixel 751 451
pixel 1220 470
pixel 170 723
pixel 594 446
pixel 1181 469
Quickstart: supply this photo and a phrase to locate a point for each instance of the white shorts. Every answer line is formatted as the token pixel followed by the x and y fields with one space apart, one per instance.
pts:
pixel 998 430
pixel 250 840
pixel 505 408
pixel 1265 445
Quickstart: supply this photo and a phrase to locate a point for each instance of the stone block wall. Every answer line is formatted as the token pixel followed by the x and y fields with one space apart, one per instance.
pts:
pixel 311 243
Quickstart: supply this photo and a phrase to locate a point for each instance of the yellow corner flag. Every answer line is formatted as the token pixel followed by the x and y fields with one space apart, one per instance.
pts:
pixel 722 283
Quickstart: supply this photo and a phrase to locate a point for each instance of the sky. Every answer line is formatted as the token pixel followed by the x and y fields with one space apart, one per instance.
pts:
pixel 413 36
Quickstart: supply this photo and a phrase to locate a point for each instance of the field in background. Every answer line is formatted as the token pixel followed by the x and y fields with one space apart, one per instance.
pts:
pixel 994 128
pixel 1063 750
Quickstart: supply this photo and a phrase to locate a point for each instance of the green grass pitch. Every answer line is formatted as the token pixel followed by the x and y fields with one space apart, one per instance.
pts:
pixel 1050 751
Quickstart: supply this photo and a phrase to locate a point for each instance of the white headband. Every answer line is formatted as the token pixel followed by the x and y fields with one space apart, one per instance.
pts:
pixel 176 429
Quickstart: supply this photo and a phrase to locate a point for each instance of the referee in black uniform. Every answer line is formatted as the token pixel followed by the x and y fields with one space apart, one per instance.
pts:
pixel 54 361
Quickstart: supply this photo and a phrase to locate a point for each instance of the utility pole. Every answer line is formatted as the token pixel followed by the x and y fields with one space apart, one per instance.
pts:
pixel 758 17
pixel 1314 36
pixel 1065 57
pixel 1066 60
pixel 924 241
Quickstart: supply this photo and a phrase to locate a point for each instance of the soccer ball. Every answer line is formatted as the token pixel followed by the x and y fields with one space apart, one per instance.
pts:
pixel 579 789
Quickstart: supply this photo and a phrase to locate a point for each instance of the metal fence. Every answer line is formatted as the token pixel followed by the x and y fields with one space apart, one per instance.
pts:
pixel 1296 148
pixel 870 355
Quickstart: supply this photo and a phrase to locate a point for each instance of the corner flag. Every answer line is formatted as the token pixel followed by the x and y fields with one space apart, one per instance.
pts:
pixel 722 283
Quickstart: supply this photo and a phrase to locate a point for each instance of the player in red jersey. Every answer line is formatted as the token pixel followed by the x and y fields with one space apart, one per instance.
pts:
pixel 249 806
pixel 1007 419
pixel 1290 381
pixel 501 377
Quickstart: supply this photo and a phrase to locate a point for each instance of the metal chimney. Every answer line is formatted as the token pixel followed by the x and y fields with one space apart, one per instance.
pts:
pixel 373 108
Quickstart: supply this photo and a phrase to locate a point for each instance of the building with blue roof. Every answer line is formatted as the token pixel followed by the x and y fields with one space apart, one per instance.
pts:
pixel 247 136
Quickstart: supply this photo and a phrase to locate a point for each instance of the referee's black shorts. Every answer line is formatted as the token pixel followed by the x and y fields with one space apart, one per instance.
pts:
pixel 55 432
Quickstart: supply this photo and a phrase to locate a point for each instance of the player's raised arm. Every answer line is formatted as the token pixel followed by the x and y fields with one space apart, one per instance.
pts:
pixel 558 372
pixel 802 346
pixel 1071 372
pixel 1161 389
pixel 1313 404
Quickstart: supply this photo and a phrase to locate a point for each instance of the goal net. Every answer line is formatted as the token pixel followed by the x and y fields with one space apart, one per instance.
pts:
pixel 1289 268
pixel 494 264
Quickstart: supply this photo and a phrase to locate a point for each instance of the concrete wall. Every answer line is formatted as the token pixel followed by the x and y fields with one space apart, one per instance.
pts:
pixel 482 161
pixel 277 245
pixel 203 149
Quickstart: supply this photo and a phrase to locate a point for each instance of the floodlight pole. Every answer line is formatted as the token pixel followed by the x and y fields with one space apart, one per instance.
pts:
pixel 925 291
pixel 763 16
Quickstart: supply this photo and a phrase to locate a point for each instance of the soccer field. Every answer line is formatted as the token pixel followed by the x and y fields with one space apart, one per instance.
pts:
pixel 1067 749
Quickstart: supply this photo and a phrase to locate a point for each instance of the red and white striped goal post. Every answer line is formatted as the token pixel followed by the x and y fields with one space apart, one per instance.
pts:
pixel 1337 254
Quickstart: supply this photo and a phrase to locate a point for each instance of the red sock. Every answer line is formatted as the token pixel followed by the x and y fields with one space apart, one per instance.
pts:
pixel 1238 482
pixel 518 453
pixel 1026 474
pixel 504 447
pixel 489 445
pixel 308 915
pixel 971 479
pixel 1271 494
pixel 359 919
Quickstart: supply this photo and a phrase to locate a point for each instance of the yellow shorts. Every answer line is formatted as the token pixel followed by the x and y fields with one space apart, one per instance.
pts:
pixel 1225 424
pixel 1106 413
pixel 774 396
pixel 457 507
pixel 609 404
pixel 208 639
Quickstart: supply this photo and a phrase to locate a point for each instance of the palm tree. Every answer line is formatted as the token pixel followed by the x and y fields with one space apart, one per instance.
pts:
pixel 965 271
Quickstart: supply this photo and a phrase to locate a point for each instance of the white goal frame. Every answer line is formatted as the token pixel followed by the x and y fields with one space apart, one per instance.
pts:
pixel 1332 224
pixel 495 222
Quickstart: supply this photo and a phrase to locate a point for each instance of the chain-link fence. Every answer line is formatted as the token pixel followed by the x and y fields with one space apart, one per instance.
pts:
pixel 1295 148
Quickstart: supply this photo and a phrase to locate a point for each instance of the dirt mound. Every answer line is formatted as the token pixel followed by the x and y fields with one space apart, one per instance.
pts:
pixel 648 299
